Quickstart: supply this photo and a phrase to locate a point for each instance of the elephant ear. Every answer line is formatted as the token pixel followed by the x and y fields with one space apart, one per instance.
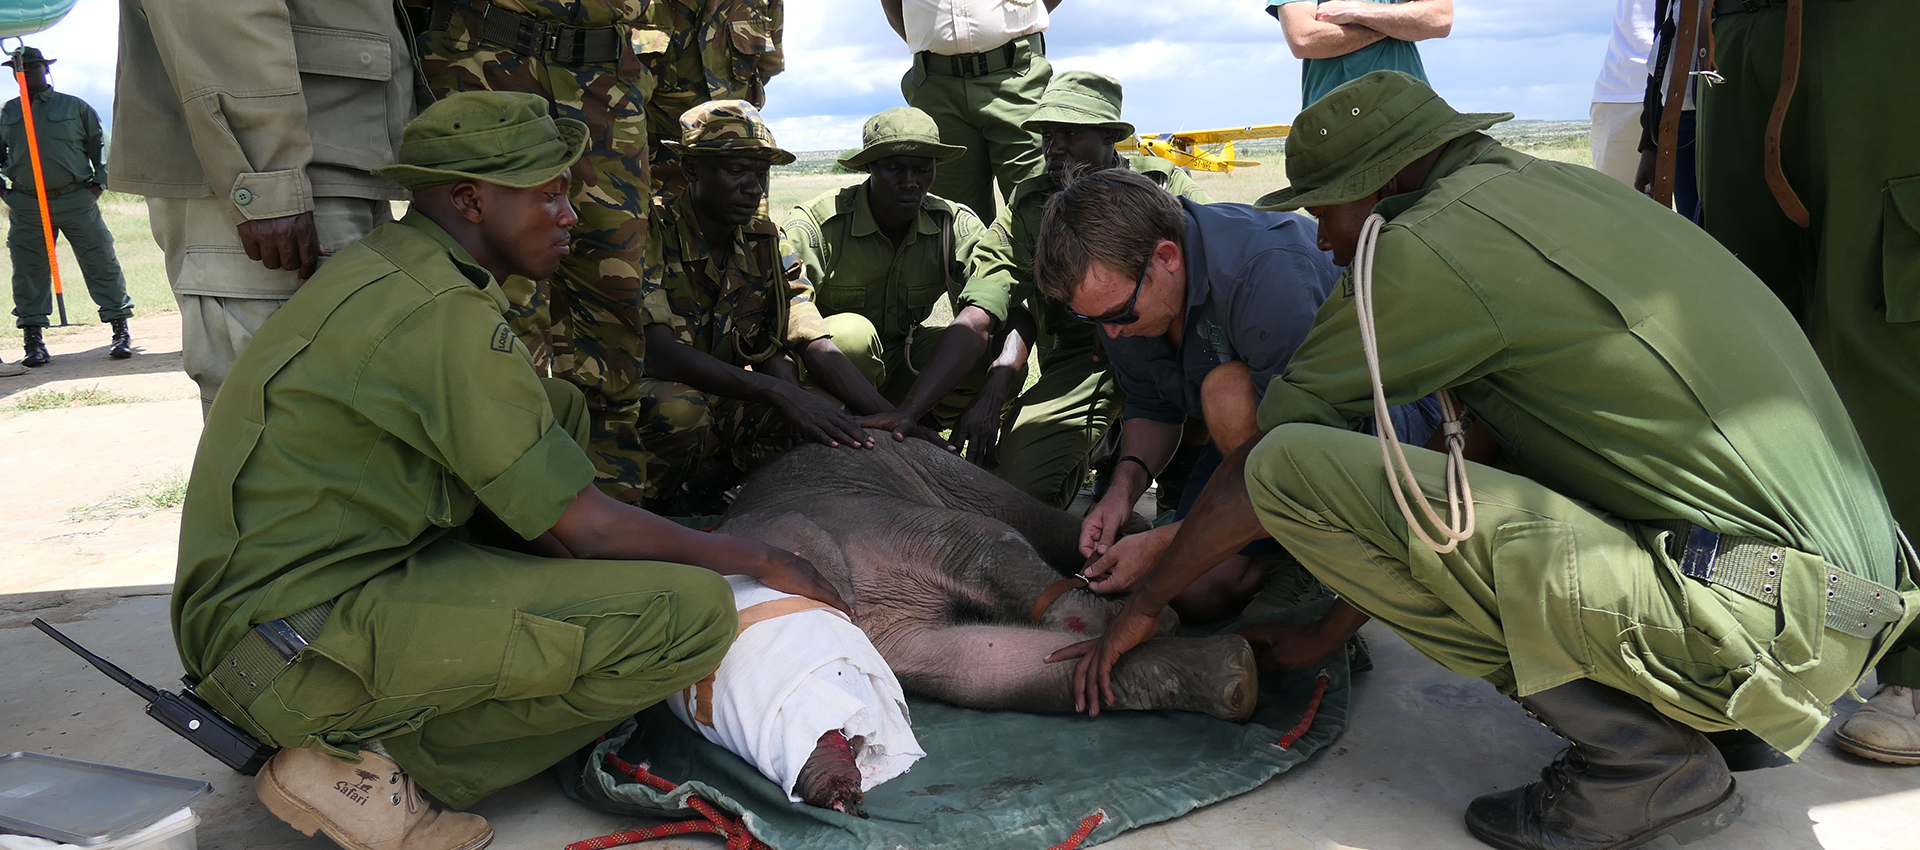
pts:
pixel 795 533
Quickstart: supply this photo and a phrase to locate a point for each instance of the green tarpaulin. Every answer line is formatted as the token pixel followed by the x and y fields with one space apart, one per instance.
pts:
pixel 991 780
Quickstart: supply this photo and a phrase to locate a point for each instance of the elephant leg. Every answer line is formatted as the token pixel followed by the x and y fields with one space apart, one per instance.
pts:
pixel 1087 614
pixel 1001 668
pixel 796 533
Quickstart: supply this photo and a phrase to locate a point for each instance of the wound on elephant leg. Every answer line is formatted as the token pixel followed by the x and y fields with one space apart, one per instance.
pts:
pixel 831 778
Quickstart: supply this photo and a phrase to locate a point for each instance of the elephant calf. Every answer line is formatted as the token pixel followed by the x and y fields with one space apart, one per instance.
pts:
pixel 943 564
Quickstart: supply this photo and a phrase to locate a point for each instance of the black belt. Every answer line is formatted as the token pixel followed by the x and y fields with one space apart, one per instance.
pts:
pixel 1751 567
pixel 1734 7
pixel 536 37
pixel 983 63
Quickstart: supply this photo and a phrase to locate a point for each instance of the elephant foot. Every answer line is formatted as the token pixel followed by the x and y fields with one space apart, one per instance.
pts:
pixel 830 779
pixel 1216 676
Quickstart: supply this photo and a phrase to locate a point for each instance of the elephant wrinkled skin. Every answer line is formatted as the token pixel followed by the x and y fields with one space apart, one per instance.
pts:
pixel 943 562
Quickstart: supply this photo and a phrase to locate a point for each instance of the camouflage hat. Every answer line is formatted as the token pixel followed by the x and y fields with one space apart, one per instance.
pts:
pixel 505 138
pixel 900 131
pixel 727 128
pixel 1350 142
pixel 1080 97
pixel 28 56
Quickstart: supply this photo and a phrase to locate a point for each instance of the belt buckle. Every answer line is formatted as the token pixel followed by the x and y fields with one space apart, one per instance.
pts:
pixel 281 636
pixel 1703 547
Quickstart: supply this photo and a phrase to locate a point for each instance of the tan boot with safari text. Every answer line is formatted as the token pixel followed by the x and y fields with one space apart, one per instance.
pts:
pixel 1886 729
pixel 372 805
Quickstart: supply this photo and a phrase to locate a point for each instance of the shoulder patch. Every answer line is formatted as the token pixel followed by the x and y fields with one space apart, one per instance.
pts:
pixel 502 339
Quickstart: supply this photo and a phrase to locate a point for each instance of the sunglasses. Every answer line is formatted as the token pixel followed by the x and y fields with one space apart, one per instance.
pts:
pixel 1123 316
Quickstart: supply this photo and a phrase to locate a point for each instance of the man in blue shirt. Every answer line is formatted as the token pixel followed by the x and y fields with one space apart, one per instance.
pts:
pixel 1225 294
pixel 1343 40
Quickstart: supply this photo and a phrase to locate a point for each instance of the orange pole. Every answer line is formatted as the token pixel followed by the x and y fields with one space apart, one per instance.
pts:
pixel 40 187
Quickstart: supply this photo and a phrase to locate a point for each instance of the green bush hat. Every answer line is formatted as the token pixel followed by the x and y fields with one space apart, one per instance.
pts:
pixel 28 56
pixel 1350 142
pixel 900 131
pixel 1083 98
pixel 727 128
pixel 505 138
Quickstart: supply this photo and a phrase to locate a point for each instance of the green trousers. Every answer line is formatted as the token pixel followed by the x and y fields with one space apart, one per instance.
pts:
pixel 893 369
pixel 1853 277
pixel 1052 429
pixel 478 667
pixel 983 115
pixel 1550 590
pixel 76 216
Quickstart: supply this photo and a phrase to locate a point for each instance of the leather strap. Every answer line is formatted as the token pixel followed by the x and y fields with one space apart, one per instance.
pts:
pixel 1686 46
pixel 983 63
pixel 1789 80
pixel 1051 594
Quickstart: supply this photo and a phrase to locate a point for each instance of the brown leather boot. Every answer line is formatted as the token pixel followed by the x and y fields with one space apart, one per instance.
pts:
pixel 372 805
pixel 1886 729
pixel 1630 775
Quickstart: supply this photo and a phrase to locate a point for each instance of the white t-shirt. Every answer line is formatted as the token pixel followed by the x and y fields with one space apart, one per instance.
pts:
pixel 1623 76
pixel 970 26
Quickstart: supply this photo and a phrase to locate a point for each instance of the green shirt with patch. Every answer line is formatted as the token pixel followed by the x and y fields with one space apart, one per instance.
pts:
pixel 369 417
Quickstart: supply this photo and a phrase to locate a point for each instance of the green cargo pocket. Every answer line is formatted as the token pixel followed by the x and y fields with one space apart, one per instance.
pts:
pixel 751 46
pixel 1900 249
pixel 542 658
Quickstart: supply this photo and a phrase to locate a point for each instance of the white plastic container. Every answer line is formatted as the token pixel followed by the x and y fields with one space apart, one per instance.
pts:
pixel 174 832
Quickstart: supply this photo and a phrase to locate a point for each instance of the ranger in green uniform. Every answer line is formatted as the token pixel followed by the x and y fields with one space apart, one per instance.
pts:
pixel 880 254
pixel 701 50
pixel 1851 273
pixel 69 135
pixel 378 462
pixel 1055 424
pixel 728 312
pixel 584 324
pixel 1695 539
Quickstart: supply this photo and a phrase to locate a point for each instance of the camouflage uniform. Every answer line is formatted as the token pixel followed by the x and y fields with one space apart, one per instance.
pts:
pixel 701 50
pixel 584 324
pixel 676 447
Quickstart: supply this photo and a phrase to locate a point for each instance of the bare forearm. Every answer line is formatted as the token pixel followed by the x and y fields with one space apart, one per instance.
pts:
pixel 1418 20
pixel 961 345
pixel 599 527
pixel 837 375
pixel 1310 38
pixel 669 360
pixel 1221 523
pixel 1153 443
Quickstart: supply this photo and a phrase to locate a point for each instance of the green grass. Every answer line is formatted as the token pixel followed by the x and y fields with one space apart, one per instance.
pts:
pixel 140 260
pixel 55 399
pixel 161 494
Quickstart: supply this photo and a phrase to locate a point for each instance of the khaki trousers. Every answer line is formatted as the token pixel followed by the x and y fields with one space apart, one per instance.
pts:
pixel 224 297
pixel 1549 590
pixel 1616 139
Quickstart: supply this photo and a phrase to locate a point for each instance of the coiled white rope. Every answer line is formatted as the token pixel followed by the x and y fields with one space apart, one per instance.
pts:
pixel 1459 523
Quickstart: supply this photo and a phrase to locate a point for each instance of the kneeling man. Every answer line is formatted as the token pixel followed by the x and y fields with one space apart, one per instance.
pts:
pixel 337 595
pixel 1692 540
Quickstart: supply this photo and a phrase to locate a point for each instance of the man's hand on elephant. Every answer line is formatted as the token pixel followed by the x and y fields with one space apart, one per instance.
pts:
pixel 1093 677
pixel 1102 525
pixel 288 243
pixel 820 420
pixel 790 573
pixel 904 424
pixel 978 431
pixel 1127 560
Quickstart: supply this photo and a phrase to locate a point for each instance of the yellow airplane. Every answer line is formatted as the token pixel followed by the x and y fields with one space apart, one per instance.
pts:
pixel 1203 150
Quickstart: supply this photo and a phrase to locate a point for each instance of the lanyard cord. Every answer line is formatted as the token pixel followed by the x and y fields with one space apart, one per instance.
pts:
pixel 1459 523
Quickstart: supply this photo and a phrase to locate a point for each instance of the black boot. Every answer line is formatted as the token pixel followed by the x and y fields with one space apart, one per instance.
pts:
pixel 122 347
pixel 36 348
pixel 1630 776
pixel 1744 750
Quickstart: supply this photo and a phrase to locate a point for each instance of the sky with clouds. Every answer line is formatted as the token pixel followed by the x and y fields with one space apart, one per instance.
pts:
pixel 1185 64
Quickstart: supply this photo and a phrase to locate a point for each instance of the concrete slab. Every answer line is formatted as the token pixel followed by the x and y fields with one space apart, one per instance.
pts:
pixel 1422 744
